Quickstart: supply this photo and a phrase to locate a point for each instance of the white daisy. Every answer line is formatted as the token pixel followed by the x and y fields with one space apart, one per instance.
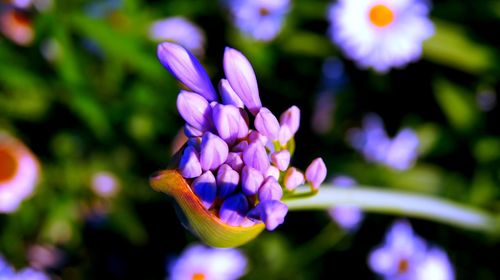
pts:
pixel 380 33
pixel 18 173
pixel 199 262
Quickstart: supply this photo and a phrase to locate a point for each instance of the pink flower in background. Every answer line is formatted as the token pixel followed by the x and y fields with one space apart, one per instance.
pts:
pixel 199 262
pixel 380 34
pixel 19 172
pixel 105 184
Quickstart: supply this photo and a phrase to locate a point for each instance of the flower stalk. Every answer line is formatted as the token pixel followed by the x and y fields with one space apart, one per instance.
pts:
pixel 378 200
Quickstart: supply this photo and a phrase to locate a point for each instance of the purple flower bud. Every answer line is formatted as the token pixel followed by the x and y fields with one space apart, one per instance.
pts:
pixel 272 171
pixel 190 131
pixel 291 119
pixel 227 180
pixel 267 124
pixel 316 173
pixel 233 210
pixel 195 110
pixel 229 97
pixel 240 147
pixel 239 73
pixel 187 69
pixel 205 188
pixel 270 190
pixel 281 159
pixel 293 178
pixel 189 164
pixel 229 122
pixel 251 179
pixel 213 151
pixel 271 212
pixel 255 156
pixel 235 161
pixel 256 136
pixel 194 142
pixel 284 135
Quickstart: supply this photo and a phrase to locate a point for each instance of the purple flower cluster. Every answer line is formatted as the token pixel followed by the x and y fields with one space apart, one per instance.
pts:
pixel 236 171
pixel 8 272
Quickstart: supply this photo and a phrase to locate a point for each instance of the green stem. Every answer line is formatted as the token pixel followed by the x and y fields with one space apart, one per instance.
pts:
pixel 379 200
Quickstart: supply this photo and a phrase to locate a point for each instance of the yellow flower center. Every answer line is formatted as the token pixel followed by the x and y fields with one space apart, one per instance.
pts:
pixel 8 165
pixel 403 266
pixel 381 15
pixel 198 276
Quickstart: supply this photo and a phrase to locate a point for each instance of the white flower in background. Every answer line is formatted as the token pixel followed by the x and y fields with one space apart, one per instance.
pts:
pixel 199 262
pixel 19 172
pixel 181 31
pixel 380 33
pixel 406 256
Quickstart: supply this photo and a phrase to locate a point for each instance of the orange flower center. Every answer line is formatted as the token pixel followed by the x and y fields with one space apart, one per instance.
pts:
pixel 381 15
pixel 198 276
pixel 8 165
pixel 403 266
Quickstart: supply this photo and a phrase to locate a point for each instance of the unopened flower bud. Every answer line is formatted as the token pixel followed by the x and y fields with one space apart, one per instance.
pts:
pixel 284 135
pixel 213 151
pixel 270 190
pixel 229 122
pixel 255 156
pixel 271 212
pixel 233 210
pixel 316 173
pixel 205 187
pixel 256 136
pixel 189 164
pixel 293 178
pixel 272 171
pixel 241 77
pixel 281 159
pixel 267 124
pixel 195 110
pixel 240 147
pixel 227 180
pixel 235 161
pixel 291 119
pixel 251 180
pixel 187 69
pixel 190 131
pixel 229 97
